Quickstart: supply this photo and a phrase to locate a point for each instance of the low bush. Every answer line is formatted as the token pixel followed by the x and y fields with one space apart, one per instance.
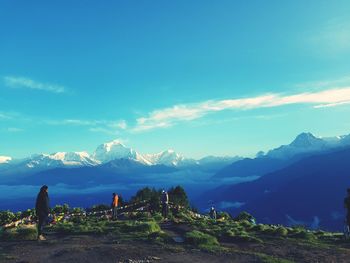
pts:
pixel 158 217
pixel 281 231
pixel 6 217
pixel 304 234
pixel 19 233
pixel 147 227
pixel 244 216
pixel 198 238
pixel 221 216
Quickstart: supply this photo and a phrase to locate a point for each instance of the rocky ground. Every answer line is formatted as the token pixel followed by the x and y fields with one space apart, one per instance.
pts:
pixel 108 248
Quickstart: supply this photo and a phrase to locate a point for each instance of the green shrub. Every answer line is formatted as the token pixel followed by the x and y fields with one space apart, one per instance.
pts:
pixel 64 227
pixel 244 216
pixel 28 212
pixel 223 216
pixel 158 217
pixel 20 233
pixel 140 216
pixel 281 231
pixel 160 237
pixel 9 234
pixel 142 227
pixel 78 210
pixel 304 234
pixel 178 197
pixel 59 209
pixel 260 228
pixel 27 233
pixel 6 217
pixel 246 224
pixel 198 238
pixel 100 207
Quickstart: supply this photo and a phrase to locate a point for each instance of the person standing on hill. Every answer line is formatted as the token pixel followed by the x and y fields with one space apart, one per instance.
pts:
pixel 115 200
pixel 347 207
pixel 42 209
pixel 165 202
pixel 212 213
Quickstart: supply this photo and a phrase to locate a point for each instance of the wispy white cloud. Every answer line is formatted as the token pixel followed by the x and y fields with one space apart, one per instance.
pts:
pixel 324 84
pixel 21 82
pixel 332 104
pixel 4 116
pixel 14 129
pixel 103 126
pixel 331 38
pixel 186 112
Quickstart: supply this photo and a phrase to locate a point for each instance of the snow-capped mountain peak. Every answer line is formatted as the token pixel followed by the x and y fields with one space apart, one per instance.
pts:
pixel 74 158
pixel 108 146
pixel 117 150
pixel 306 140
pixel 167 157
pixel 308 143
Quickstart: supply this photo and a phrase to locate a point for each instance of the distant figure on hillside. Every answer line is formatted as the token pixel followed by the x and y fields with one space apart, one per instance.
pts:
pixel 42 208
pixel 212 213
pixel 165 203
pixel 347 207
pixel 115 200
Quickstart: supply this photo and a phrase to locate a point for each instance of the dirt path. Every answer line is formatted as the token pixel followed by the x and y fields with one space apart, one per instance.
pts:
pixel 175 231
pixel 106 249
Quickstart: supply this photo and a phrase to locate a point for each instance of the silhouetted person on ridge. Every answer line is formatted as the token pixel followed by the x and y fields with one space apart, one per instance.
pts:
pixel 165 202
pixel 42 208
pixel 212 213
pixel 347 207
pixel 115 200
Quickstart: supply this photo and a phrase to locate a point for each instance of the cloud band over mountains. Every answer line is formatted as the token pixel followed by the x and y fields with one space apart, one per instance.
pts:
pixel 186 112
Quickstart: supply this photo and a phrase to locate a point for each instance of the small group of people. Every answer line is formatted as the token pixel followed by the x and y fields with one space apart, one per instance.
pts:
pixel 42 208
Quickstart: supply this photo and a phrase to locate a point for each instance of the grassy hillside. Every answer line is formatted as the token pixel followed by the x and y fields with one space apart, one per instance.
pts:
pixel 142 235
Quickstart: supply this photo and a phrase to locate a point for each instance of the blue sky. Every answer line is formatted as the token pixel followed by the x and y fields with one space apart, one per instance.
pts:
pixel 200 77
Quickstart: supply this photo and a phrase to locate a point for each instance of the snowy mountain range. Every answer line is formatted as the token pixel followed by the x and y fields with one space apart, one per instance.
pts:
pixel 104 153
pixel 304 143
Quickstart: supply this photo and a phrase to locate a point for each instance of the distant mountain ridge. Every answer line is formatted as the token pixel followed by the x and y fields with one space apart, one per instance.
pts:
pixel 305 144
pixel 104 153
pixel 308 143
pixel 309 191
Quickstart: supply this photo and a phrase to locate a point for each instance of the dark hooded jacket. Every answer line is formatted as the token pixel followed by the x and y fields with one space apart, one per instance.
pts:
pixel 42 205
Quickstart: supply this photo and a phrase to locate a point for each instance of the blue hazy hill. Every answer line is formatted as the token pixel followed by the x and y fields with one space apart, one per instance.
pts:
pixel 309 191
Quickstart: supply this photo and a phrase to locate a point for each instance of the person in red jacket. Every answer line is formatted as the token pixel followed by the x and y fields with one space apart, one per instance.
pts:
pixel 115 200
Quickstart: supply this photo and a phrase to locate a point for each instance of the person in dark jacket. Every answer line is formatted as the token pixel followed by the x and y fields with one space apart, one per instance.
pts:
pixel 347 207
pixel 165 204
pixel 42 208
pixel 212 213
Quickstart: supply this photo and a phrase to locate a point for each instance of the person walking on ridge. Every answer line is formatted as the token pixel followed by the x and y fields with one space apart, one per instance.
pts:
pixel 115 200
pixel 42 209
pixel 165 203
